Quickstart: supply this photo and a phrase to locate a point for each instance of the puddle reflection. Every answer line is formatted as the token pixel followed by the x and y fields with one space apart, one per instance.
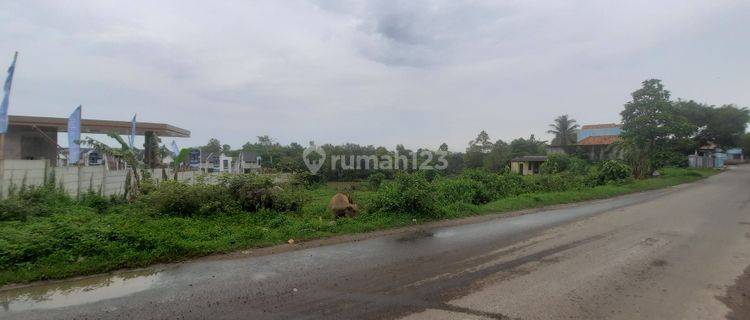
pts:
pixel 69 293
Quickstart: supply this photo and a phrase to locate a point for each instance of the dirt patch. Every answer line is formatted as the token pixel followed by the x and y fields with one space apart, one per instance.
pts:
pixel 737 297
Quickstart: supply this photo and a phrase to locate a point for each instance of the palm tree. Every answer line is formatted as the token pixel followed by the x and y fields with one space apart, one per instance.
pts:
pixel 564 129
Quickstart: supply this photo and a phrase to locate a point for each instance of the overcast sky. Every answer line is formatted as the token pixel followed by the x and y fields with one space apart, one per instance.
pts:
pixel 417 73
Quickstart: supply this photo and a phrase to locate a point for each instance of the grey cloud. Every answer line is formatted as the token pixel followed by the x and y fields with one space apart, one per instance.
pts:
pixel 372 72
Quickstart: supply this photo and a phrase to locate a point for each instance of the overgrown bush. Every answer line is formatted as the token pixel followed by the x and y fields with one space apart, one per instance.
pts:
pixel 555 163
pixel 408 193
pixel 288 199
pixel 100 203
pixel 578 166
pixel 177 198
pixel 307 179
pixel 233 193
pixel 462 190
pixel 33 201
pixel 44 194
pixel 670 159
pixel 375 180
pixel 251 191
pixel 613 170
pixel 559 182
pixel 558 163
pixel 13 209
pixel 497 185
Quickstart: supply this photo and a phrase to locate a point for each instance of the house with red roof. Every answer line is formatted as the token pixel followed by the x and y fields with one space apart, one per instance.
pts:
pixel 596 140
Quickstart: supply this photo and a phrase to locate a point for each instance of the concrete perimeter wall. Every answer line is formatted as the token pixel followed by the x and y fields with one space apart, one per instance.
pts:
pixel 79 180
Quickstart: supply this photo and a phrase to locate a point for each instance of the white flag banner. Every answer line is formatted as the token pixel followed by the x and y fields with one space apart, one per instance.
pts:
pixel 74 136
pixel 175 149
pixel 6 96
pixel 131 140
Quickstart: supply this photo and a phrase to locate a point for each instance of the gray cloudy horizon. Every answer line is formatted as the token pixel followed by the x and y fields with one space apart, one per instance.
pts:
pixel 417 73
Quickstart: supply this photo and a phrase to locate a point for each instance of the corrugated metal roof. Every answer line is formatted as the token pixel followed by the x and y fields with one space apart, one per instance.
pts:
pixel 598 140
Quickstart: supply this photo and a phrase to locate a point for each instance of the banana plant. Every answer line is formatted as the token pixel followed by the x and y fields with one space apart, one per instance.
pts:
pixel 125 152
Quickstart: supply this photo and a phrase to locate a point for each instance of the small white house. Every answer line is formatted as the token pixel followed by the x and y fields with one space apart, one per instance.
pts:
pixel 216 163
pixel 247 162
pixel 225 163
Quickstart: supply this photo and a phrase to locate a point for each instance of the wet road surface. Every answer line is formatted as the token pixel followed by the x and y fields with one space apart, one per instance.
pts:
pixel 668 254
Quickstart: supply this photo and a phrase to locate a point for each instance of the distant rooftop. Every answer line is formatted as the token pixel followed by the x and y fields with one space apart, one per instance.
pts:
pixel 598 130
pixel 600 126
pixel 599 140
pixel 100 126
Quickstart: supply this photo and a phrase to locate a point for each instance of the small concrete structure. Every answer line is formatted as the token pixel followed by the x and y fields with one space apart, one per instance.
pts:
pixel 35 138
pixel 527 165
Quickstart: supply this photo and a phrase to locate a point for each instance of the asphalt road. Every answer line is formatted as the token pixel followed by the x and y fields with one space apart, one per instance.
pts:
pixel 669 254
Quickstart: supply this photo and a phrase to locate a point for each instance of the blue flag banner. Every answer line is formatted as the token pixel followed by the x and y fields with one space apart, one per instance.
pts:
pixel 175 149
pixel 6 96
pixel 132 132
pixel 74 135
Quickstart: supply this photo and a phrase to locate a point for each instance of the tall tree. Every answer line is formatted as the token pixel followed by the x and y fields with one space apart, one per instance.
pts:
pixel 478 148
pixel 564 130
pixel 482 143
pixel 213 146
pixel 527 147
pixel 497 159
pixel 651 126
pixel 443 147
pixel 723 126
pixel 726 126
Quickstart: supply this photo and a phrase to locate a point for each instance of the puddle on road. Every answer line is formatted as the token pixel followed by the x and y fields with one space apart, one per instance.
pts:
pixel 70 293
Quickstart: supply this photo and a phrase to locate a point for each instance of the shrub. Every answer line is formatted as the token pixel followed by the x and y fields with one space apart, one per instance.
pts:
pixel 555 163
pixel 250 190
pixel 98 202
pixel 173 198
pixel 578 166
pixel 613 170
pixel 44 194
pixel 288 199
pixel 510 184
pixel 490 181
pixel 177 198
pixel 670 159
pixel 34 201
pixel 375 180
pixel 13 209
pixel 462 190
pixel 408 193
pixel 558 163
pixel 307 179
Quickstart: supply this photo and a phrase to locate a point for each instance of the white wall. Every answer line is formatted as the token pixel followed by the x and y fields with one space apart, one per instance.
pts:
pixel 78 180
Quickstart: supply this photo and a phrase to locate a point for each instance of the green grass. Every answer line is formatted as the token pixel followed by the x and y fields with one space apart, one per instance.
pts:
pixel 81 241
pixel 670 177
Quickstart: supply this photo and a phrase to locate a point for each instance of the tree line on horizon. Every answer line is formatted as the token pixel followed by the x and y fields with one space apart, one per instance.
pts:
pixel 657 132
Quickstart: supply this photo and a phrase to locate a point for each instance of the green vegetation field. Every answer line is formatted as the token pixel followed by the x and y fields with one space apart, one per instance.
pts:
pixel 46 235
